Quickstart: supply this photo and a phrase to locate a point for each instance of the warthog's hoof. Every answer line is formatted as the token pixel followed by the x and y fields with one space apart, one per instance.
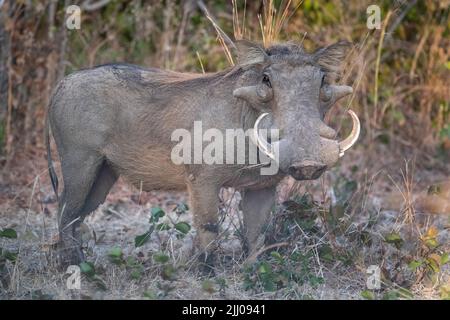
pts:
pixel 249 247
pixel 206 264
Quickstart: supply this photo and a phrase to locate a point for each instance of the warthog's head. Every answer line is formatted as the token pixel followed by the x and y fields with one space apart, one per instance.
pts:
pixel 295 88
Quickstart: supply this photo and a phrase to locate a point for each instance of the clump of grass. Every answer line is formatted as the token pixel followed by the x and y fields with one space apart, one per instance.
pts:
pixel 274 18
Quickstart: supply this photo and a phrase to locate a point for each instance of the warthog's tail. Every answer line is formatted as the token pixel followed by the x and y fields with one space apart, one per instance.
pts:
pixel 51 169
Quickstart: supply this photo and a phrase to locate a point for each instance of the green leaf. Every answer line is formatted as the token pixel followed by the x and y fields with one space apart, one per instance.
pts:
pixel 115 252
pixel 433 265
pixel 399 117
pixel 8 255
pixel 115 255
pixel 264 268
pixel 135 267
pixel 132 262
pixel 326 253
pixel 160 257
pixel 222 283
pixel 314 281
pixel 430 237
pixel 40 295
pixel 150 294
pixel 208 286
pixel 136 274
pixel 391 295
pixel 445 292
pixel 431 243
pixel 277 256
pixel 157 213
pixel 269 284
pixel 447 65
pixel 434 189
pixel 413 265
pixel 8 233
pixel 445 258
pixel 169 272
pixel 99 282
pixel 140 240
pixel 405 293
pixel 394 239
pixel 367 294
pixel 183 227
pixel 87 268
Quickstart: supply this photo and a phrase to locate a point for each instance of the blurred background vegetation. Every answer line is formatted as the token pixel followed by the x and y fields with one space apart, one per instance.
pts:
pixel 401 72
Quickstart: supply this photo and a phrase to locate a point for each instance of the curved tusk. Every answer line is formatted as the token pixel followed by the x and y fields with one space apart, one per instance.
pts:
pixel 348 142
pixel 260 142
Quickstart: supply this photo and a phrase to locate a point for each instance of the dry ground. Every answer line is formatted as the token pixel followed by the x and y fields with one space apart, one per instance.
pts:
pixel 326 235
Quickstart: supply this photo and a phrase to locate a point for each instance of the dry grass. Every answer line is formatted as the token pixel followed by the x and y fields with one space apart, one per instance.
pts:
pixel 335 243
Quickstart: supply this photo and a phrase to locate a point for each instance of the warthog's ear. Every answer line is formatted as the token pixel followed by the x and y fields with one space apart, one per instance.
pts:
pixel 250 53
pixel 331 57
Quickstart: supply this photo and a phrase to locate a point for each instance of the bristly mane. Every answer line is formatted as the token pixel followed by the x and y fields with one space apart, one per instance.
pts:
pixel 327 58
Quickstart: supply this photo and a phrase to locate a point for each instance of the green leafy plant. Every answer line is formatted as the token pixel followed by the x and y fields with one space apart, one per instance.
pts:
pixel 431 257
pixel 8 233
pixel 116 255
pixel 395 239
pixel 276 272
pixel 7 255
pixel 180 228
pixel 133 265
pixel 168 270
pixel 88 269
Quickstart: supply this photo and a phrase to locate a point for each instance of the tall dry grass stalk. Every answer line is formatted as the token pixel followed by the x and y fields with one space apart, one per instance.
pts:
pixel 222 37
pixel 377 65
pixel 406 190
pixel 271 23
pixel 273 19
pixel 238 26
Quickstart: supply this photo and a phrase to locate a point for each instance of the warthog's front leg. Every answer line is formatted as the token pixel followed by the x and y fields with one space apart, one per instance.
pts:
pixel 256 207
pixel 204 201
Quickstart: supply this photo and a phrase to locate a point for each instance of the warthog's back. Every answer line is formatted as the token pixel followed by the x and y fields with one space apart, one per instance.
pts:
pixel 124 113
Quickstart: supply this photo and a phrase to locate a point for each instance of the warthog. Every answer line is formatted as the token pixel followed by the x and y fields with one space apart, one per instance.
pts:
pixel 117 119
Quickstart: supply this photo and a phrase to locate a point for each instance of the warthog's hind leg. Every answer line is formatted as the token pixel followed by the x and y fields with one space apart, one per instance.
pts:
pixel 87 181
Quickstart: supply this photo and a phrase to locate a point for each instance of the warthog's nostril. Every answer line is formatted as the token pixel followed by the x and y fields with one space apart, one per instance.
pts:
pixel 306 172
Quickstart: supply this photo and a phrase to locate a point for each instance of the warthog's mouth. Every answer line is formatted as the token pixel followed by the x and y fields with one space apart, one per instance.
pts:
pixel 269 148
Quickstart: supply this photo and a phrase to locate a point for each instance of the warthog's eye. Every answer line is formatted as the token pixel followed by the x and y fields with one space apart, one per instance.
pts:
pixel 266 80
pixel 323 81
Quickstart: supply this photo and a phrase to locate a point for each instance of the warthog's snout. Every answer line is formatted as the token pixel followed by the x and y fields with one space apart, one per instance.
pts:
pixel 307 170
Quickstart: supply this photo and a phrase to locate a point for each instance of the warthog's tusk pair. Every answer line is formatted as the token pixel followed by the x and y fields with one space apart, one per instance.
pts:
pixel 344 145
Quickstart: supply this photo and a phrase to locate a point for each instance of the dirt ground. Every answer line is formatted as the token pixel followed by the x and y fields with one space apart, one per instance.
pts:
pixel 397 220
